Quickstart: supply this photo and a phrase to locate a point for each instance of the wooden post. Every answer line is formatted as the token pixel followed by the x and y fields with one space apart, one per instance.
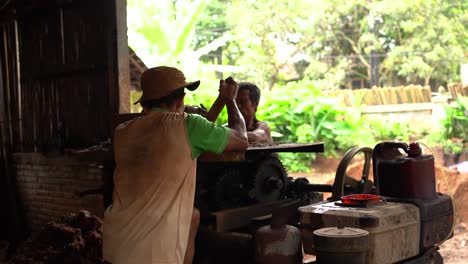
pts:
pixel 118 61
pixel 14 219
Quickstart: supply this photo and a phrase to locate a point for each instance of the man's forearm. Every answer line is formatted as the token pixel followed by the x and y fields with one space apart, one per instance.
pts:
pixel 215 109
pixel 235 119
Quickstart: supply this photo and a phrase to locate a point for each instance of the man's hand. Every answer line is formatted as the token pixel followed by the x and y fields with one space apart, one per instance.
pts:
pixel 227 95
pixel 228 89
pixel 192 109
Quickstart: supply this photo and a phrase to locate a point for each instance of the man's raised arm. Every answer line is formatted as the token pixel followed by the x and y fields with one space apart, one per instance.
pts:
pixel 238 139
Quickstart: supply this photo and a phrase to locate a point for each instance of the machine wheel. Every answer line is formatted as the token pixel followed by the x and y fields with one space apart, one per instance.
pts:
pixel 231 190
pixel 269 181
pixel 342 180
pixel 296 190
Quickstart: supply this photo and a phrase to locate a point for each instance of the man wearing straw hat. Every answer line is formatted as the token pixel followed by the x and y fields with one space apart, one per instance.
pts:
pixel 154 179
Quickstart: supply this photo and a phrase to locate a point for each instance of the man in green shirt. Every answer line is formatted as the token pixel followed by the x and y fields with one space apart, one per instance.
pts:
pixel 152 219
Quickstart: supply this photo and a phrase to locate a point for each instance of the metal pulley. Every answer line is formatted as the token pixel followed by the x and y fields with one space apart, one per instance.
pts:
pixel 352 185
pixel 231 190
pixel 264 181
pixel 269 180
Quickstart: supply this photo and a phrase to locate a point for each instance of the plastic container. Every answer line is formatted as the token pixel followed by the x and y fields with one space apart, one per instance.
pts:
pixel 410 175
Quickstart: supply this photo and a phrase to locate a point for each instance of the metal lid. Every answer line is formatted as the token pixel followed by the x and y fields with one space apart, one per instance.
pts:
pixel 345 232
pixel 341 240
pixel 360 199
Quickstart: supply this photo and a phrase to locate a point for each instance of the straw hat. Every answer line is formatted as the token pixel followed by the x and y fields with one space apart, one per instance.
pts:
pixel 161 81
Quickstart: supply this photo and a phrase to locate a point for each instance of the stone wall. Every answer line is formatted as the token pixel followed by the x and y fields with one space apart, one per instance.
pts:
pixel 422 114
pixel 50 186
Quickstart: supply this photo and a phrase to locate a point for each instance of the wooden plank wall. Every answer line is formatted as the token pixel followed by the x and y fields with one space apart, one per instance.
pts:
pixel 64 75
pixel 10 98
pixel 58 69
pixel 62 58
pixel 12 223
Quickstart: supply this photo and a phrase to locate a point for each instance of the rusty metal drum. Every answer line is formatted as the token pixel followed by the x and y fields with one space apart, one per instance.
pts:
pixel 341 245
pixel 278 244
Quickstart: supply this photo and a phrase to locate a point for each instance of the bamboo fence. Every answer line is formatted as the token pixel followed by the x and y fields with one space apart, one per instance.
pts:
pixel 410 94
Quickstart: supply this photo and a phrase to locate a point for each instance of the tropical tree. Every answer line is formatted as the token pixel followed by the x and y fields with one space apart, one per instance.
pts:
pixel 162 32
pixel 271 38
pixel 380 42
pixel 386 42
pixel 427 39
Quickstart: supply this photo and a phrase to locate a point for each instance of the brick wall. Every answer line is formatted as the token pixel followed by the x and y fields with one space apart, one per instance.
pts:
pixel 50 186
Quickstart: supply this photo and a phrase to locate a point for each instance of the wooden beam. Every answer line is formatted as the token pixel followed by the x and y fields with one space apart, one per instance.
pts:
pixel 123 56
pixel 14 219
pixel 231 219
pixel 137 63
pixel 119 68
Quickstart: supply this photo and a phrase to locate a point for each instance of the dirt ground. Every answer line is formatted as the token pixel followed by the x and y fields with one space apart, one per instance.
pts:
pixel 453 250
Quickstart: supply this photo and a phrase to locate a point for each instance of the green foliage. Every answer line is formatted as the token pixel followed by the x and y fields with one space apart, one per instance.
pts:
pixel 334 40
pixel 428 38
pixel 210 26
pixel 163 33
pixel 268 36
pixel 282 45
pixel 134 96
pixel 453 146
pixel 390 130
pixel 455 127
pixel 328 40
pixel 299 112
pixel 297 162
pixel 455 123
pixel 453 136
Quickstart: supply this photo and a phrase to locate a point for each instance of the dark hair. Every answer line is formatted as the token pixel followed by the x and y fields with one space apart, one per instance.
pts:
pixel 254 91
pixel 166 100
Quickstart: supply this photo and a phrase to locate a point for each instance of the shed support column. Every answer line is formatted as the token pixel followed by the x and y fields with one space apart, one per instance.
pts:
pixel 119 103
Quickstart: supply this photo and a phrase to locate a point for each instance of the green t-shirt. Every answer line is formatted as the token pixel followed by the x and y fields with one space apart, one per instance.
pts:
pixel 206 136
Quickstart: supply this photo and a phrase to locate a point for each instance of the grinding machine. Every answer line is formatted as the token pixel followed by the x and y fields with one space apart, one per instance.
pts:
pixel 239 192
pixel 252 212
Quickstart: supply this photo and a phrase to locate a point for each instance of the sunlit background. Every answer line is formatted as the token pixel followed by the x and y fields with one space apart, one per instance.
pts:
pixel 314 60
